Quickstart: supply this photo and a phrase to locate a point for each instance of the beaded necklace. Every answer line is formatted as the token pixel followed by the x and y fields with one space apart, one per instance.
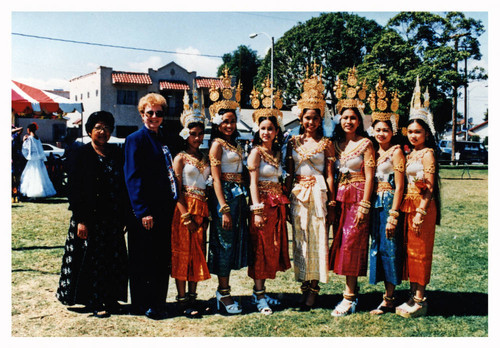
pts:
pixel 201 165
pixel 268 158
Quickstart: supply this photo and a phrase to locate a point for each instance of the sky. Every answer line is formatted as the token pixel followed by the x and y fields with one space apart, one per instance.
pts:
pixel 50 64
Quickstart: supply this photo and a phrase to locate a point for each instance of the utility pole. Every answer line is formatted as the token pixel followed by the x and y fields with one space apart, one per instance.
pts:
pixel 456 38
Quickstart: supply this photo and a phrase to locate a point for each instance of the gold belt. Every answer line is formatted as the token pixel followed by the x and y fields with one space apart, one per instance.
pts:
pixel 269 187
pixel 412 189
pixel 196 192
pixel 350 177
pixel 383 186
pixel 233 177
pixel 305 180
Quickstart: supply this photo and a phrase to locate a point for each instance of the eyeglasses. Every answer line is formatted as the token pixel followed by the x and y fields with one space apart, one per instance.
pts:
pixel 101 128
pixel 151 113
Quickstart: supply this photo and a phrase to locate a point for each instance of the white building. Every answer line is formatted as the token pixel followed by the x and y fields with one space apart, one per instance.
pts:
pixel 119 92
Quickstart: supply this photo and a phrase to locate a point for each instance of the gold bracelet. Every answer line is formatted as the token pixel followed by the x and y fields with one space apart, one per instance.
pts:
pixel 185 216
pixel 225 209
pixel 366 204
pixel 392 220
pixel 421 211
pixel 332 203
pixel 187 222
pixel 251 168
pixel 257 206
pixel 394 213
pixel 363 210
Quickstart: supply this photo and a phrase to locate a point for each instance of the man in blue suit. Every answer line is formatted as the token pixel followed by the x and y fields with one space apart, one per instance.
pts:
pixel 151 187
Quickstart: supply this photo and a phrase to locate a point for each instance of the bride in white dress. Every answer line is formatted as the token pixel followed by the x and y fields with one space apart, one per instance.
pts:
pixel 35 182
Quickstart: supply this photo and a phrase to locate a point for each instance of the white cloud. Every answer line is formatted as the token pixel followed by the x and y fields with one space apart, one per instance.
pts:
pixel 153 62
pixel 204 66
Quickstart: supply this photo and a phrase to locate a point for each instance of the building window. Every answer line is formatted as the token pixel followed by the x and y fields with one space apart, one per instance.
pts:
pixel 96 92
pixel 126 97
pixel 76 97
pixel 81 96
pixel 88 95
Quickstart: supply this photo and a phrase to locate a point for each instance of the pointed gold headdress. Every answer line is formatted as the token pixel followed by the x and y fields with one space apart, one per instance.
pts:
pixel 312 97
pixel 196 113
pixel 271 104
pixel 417 111
pixel 351 95
pixel 379 106
pixel 226 92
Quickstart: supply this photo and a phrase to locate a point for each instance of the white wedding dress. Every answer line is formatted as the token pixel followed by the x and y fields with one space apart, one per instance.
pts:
pixel 35 180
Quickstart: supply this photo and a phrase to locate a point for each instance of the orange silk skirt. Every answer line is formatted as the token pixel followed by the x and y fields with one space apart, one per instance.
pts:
pixel 189 249
pixel 269 245
pixel 418 247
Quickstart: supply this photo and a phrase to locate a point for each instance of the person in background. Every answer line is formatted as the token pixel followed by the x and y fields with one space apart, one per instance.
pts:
pixel 35 181
pixel 421 204
pixel 268 230
pixel 17 162
pixel 94 266
pixel 151 186
pixel 190 222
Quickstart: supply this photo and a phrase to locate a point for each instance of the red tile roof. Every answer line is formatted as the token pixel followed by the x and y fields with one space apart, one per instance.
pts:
pixel 478 126
pixel 206 82
pixel 131 78
pixel 173 85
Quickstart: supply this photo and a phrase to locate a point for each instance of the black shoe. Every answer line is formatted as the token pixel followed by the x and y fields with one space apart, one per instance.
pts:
pixel 154 314
pixel 115 308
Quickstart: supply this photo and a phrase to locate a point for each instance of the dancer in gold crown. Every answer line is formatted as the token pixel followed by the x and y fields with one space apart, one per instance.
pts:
pixel 268 231
pixel 421 204
pixel 309 160
pixel 355 163
pixel 228 229
pixel 386 219
pixel 190 220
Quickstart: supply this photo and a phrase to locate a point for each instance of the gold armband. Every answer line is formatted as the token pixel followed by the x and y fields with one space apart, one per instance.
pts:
pixel 431 169
pixel 370 162
pixel 400 167
pixel 214 162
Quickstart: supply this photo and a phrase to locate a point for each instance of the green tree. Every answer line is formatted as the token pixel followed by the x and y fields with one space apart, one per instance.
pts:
pixel 442 43
pixel 243 64
pixel 337 41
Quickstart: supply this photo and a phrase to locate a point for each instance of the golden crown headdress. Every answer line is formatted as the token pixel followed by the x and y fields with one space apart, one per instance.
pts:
pixel 196 113
pixel 312 97
pixel 226 92
pixel 419 111
pixel 379 104
pixel 271 104
pixel 351 95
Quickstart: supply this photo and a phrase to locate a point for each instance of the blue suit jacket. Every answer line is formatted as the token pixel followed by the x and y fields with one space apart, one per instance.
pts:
pixel 146 174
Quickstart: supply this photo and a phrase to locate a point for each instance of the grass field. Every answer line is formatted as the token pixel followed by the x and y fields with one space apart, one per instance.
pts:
pixel 457 293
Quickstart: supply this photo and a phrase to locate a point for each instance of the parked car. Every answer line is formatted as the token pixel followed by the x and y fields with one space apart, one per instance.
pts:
pixel 56 151
pixel 470 151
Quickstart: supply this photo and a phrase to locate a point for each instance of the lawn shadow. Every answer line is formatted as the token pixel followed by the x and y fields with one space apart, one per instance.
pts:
pixel 38 247
pixel 463 179
pixel 441 303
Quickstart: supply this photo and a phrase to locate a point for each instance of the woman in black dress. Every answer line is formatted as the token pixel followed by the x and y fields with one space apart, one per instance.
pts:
pixel 94 265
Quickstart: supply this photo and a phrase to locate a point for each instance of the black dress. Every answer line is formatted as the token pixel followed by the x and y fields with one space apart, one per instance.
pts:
pixel 94 271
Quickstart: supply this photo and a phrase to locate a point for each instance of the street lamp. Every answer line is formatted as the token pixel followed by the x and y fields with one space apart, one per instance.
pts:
pixel 272 60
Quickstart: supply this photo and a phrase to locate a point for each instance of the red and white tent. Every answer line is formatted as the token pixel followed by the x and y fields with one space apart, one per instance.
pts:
pixel 27 99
